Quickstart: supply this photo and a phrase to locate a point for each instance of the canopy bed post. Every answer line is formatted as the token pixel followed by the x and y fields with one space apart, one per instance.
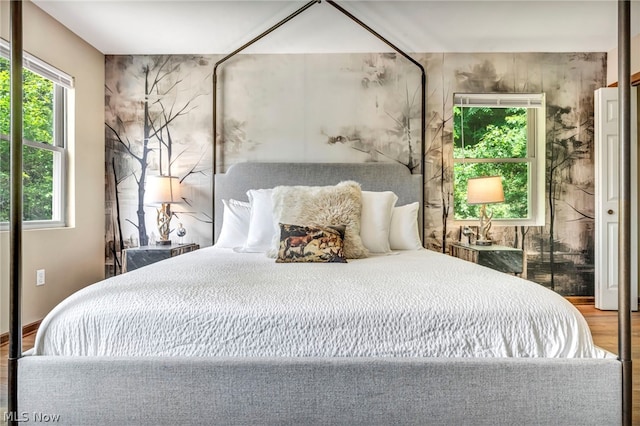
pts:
pixel 15 231
pixel 215 86
pixel 423 91
pixel 232 54
pixel 624 237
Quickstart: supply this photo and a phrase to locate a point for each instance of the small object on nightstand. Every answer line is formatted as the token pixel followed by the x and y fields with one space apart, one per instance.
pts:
pixel 181 232
pixel 467 232
pixel 133 241
pixel 500 258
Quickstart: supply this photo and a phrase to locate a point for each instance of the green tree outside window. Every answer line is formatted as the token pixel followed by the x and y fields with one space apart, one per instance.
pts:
pixel 489 142
pixel 38 126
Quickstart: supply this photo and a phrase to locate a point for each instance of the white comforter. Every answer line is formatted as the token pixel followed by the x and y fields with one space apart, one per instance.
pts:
pixel 214 302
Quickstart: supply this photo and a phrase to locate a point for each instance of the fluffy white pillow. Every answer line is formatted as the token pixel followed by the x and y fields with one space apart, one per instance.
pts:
pixel 235 224
pixel 375 222
pixel 404 234
pixel 261 229
pixel 340 204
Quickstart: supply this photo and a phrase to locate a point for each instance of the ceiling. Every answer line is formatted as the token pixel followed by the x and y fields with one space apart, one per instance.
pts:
pixel 218 27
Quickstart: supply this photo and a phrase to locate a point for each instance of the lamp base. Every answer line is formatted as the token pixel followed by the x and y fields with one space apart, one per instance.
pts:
pixel 163 242
pixel 484 242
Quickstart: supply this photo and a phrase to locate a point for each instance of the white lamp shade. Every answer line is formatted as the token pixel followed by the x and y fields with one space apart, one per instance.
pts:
pixel 163 189
pixel 485 190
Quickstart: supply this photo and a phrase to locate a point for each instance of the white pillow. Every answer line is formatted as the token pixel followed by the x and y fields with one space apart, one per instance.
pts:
pixel 235 224
pixel 261 228
pixel 375 221
pixel 404 234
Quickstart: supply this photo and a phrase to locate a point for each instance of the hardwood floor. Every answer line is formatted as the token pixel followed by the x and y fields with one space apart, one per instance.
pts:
pixel 603 324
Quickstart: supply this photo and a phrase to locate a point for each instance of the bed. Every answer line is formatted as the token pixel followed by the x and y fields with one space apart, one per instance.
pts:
pixel 527 359
pixel 413 303
pixel 406 337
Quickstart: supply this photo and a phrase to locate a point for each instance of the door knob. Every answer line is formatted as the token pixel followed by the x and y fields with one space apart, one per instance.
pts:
pixel 610 211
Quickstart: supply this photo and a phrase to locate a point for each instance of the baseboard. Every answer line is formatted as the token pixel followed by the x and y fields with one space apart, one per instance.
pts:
pixel 585 300
pixel 581 300
pixel 26 330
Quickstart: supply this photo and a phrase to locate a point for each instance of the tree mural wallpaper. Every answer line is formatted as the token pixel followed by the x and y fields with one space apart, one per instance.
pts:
pixel 144 106
pixel 316 107
pixel 349 107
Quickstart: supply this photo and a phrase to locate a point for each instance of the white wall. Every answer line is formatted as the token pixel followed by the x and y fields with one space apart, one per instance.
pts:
pixel 73 257
pixel 612 61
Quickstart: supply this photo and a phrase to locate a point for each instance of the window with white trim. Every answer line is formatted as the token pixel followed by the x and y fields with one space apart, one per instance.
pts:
pixel 45 109
pixel 504 135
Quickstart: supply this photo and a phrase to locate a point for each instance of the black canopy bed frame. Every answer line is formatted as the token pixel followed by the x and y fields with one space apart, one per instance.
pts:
pixel 165 390
pixel 423 82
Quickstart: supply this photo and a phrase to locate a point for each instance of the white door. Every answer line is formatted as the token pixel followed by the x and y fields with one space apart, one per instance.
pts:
pixel 607 184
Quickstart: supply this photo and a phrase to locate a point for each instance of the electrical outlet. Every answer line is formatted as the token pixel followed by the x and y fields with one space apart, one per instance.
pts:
pixel 40 277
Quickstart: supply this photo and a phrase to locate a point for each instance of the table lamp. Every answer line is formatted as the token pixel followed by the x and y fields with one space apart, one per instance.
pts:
pixel 163 190
pixel 484 190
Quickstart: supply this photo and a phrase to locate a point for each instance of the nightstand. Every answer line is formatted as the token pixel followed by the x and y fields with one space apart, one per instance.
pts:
pixel 137 257
pixel 500 258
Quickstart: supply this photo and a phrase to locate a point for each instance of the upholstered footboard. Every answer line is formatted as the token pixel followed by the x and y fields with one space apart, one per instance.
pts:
pixel 302 391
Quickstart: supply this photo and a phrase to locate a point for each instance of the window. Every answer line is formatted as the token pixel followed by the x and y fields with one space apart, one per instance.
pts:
pixel 44 144
pixel 503 135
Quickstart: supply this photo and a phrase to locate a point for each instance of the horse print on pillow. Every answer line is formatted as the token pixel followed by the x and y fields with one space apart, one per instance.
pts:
pixel 324 244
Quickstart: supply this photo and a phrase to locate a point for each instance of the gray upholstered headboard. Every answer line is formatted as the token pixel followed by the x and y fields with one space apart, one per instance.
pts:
pixel 372 177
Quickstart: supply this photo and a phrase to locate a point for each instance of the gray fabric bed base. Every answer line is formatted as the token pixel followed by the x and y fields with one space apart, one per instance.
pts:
pixel 311 391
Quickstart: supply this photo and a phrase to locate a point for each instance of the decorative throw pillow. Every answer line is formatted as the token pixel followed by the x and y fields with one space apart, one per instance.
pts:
pixel 235 224
pixel 340 204
pixel 323 244
pixel 375 220
pixel 404 233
